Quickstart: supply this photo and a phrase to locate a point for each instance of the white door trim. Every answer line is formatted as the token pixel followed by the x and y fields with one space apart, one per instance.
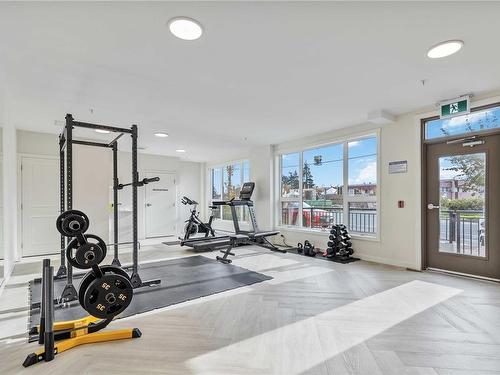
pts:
pixel 20 157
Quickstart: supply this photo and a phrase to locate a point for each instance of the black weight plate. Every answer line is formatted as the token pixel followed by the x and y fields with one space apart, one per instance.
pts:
pixel 84 284
pixel 73 225
pixel 115 269
pixel 75 214
pixel 108 296
pixel 88 255
pixel 78 260
pixel 89 277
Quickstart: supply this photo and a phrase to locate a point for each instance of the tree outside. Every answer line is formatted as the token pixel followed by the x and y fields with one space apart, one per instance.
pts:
pixel 470 169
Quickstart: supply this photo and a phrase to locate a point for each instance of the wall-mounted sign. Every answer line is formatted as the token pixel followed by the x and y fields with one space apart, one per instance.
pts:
pixel 455 107
pixel 400 166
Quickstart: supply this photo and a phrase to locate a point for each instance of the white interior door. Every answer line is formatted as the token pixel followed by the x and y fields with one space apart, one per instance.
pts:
pixel 160 205
pixel 40 205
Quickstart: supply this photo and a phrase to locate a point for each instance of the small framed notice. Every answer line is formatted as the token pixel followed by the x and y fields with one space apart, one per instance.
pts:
pixel 400 166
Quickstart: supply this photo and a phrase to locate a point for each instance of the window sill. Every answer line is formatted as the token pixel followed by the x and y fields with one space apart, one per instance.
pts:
pixel 354 235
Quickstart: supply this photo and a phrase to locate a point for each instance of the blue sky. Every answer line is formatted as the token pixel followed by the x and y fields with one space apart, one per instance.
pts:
pixel 473 122
pixel 362 163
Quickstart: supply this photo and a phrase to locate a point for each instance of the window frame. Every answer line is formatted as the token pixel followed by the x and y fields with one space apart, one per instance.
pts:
pixel 221 166
pixel 346 199
pixel 424 120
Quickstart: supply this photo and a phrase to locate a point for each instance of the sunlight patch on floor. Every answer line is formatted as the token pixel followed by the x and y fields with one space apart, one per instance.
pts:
pixel 263 262
pixel 282 350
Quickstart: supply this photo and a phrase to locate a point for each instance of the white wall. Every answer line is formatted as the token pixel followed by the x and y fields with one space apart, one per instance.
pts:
pixel 190 183
pixel 9 182
pixel 92 177
pixel 37 143
pixel 262 173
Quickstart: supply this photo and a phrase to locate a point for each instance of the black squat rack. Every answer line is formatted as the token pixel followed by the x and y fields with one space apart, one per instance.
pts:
pixel 66 143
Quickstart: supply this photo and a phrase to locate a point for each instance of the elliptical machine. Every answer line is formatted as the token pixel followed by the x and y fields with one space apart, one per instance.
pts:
pixel 194 224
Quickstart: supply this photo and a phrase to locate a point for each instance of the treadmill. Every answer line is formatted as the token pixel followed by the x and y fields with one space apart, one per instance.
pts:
pixel 240 237
pixel 255 235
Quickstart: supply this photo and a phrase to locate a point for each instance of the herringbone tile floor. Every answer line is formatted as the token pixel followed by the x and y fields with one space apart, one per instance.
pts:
pixel 314 317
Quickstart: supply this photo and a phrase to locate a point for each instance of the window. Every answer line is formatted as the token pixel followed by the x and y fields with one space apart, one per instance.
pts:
pixel 314 180
pixel 477 121
pixel 226 182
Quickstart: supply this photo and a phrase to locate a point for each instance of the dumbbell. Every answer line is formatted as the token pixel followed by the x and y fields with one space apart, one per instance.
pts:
pixel 335 243
pixel 334 237
pixel 331 252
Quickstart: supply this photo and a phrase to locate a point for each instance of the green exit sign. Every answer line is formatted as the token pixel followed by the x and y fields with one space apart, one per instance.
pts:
pixel 456 107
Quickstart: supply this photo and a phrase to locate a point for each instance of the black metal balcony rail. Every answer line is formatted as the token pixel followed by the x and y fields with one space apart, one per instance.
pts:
pixel 463 230
pixel 360 220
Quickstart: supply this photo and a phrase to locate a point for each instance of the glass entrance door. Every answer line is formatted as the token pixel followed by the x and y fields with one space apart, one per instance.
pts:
pixel 463 206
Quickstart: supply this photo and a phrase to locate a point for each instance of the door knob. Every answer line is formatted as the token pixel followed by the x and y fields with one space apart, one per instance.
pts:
pixel 148 204
pixel 430 206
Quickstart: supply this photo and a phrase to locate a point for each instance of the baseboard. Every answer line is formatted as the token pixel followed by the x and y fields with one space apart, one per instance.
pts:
pixel 386 261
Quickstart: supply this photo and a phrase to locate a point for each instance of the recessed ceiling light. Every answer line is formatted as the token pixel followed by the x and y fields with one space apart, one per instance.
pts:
pixel 185 28
pixel 161 134
pixel 444 49
pixel 102 131
pixel 180 150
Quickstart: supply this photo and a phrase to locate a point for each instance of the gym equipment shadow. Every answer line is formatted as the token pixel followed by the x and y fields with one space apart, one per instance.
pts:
pixel 182 280
pixel 295 250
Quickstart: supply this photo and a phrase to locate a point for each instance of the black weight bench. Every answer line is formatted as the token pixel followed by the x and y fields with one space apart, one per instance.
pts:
pixel 260 239
pixel 234 240
pixel 210 244
pixel 263 234
pixel 224 243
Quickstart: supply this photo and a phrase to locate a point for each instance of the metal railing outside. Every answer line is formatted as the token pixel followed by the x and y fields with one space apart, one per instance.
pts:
pixel 361 221
pixel 463 230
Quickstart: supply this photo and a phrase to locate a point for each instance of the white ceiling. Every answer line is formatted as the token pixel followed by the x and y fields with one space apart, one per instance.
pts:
pixel 262 73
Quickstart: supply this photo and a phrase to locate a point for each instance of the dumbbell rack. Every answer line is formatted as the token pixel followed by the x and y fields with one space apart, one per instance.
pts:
pixel 66 142
pixel 340 245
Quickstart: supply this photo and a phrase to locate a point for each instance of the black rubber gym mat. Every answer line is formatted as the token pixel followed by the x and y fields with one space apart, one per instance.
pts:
pixel 182 280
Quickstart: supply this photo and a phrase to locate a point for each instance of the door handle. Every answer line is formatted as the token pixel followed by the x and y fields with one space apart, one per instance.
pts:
pixel 148 204
pixel 430 206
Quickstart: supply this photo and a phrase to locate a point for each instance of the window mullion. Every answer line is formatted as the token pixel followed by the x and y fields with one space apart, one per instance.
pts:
pixel 221 213
pixel 345 171
pixel 301 195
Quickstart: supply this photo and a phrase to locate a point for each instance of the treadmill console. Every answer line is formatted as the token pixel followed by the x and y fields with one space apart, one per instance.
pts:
pixel 247 191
